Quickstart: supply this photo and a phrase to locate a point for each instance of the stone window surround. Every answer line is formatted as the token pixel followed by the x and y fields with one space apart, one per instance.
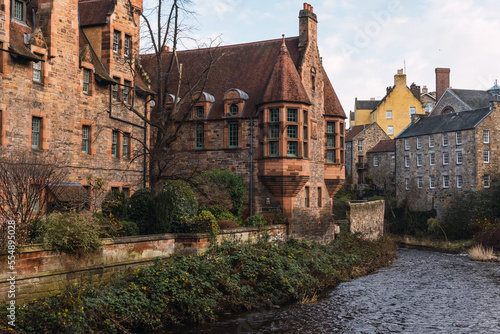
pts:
pixel 89 67
pixel 13 6
pixel 121 31
pixel 126 135
pixel 115 143
pixel 44 133
pixel 90 124
pixel 446 181
pixel 42 53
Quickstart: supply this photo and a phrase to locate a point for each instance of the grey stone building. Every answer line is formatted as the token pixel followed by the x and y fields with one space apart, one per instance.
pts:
pixel 358 141
pixel 381 162
pixel 439 156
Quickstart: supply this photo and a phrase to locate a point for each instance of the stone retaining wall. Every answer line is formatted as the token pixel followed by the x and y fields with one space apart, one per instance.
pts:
pixel 41 270
pixel 367 218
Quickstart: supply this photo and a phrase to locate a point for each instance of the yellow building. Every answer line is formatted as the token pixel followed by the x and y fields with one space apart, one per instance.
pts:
pixel 393 113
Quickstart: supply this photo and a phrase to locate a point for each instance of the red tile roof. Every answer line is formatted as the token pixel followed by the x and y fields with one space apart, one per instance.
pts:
pixel 388 145
pixel 248 67
pixel 16 41
pixel 354 131
pixel 94 12
pixel 331 101
pixel 285 83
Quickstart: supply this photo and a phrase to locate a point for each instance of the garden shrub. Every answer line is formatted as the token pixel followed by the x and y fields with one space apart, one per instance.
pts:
pixel 273 218
pixel 141 210
pixel 256 220
pixel 224 224
pixel 70 231
pixel 115 205
pixel 233 183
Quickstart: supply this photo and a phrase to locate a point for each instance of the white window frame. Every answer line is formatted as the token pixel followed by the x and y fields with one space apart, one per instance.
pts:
pixel 460 158
pixel 375 160
pixel 446 158
pixel 419 143
pixel 431 140
pixel 460 182
pixel 388 114
pixel 432 182
pixel 116 41
pixel 37 71
pixel 487 180
pixel 458 137
pixel 127 44
pixel 407 184
pixel 486 136
pixel 446 181
pixel 390 130
pixel 419 160
pixel 413 110
pixel 445 139
pixel 360 145
pixel 407 161
pixel 486 156
pixel 419 182
pixel 432 159
pixel 407 144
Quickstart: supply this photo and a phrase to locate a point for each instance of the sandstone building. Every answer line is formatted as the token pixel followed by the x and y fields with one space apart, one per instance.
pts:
pixel 269 113
pixel 66 82
pixel 441 155
pixel 381 167
pixel 394 112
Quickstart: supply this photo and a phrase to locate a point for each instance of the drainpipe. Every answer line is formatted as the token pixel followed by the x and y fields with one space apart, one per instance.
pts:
pixel 251 168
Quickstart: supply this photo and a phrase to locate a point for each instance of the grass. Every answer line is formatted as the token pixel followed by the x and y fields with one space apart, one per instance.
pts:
pixel 453 246
pixel 480 253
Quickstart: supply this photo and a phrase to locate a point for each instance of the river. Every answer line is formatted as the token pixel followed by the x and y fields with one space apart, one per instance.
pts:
pixel 423 292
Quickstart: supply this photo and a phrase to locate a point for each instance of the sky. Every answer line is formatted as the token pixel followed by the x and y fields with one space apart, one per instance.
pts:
pixel 364 42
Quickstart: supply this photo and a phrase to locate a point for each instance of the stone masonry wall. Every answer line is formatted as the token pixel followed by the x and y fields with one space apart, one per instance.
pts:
pixel 367 218
pixel 41 270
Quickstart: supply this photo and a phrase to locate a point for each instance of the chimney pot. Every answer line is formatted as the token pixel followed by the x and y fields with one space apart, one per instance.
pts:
pixel 311 8
pixel 305 5
pixel 400 72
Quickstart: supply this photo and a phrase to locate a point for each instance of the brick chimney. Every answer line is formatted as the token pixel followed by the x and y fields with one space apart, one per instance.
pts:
pixel 308 24
pixel 415 90
pixel 425 90
pixel 442 81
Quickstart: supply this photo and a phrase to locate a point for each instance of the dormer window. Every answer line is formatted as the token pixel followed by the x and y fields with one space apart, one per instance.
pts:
pixel 18 10
pixel 37 71
pixel 200 112
pixel 233 110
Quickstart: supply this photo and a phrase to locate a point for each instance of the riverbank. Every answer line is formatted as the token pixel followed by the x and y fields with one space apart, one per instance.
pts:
pixel 229 278
pixel 456 246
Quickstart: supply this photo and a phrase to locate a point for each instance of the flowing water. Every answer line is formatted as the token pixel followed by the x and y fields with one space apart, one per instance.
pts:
pixel 423 292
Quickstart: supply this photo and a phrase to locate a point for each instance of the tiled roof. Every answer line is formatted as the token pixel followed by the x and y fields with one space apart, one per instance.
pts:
pixel 475 99
pixel 367 104
pixel 388 145
pixel 94 12
pixel 100 71
pixel 285 83
pixel 247 67
pixel 464 120
pixel 354 131
pixel 16 41
pixel 331 101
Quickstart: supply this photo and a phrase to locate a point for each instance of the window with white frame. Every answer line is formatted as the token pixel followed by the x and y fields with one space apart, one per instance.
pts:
pixel 446 181
pixel 419 182
pixel 407 161
pixel 431 140
pixel 460 182
pixel 445 139
pixel 487 181
pixel 37 71
pixel 360 146
pixel 407 184
pixel 459 158
pixel 413 110
pixel 419 160
pixel 486 136
pixel 486 156
pixel 446 158
pixel 458 137
pixel 390 130
pixel 432 159
pixel 432 182
pixel 375 160
pixel 407 144
pixel 419 143
pixel 388 114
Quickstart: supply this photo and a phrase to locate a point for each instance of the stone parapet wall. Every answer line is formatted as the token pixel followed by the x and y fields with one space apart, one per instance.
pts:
pixel 41 270
pixel 367 218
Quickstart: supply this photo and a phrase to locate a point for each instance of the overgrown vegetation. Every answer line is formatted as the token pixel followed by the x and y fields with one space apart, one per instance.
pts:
pixel 229 278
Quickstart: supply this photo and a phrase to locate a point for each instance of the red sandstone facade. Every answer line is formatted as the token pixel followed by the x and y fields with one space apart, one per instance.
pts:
pixel 66 80
pixel 269 113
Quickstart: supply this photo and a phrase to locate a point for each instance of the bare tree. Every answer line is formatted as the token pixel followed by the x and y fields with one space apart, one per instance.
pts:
pixel 163 32
pixel 27 183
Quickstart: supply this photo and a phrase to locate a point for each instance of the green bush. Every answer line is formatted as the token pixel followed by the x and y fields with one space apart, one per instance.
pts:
pixel 175 204
pixel 129 228
pixel 115 205
pixel 256 220
pixel 233 183
pixel 141 210
pixel 70 231
pixel 222 213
